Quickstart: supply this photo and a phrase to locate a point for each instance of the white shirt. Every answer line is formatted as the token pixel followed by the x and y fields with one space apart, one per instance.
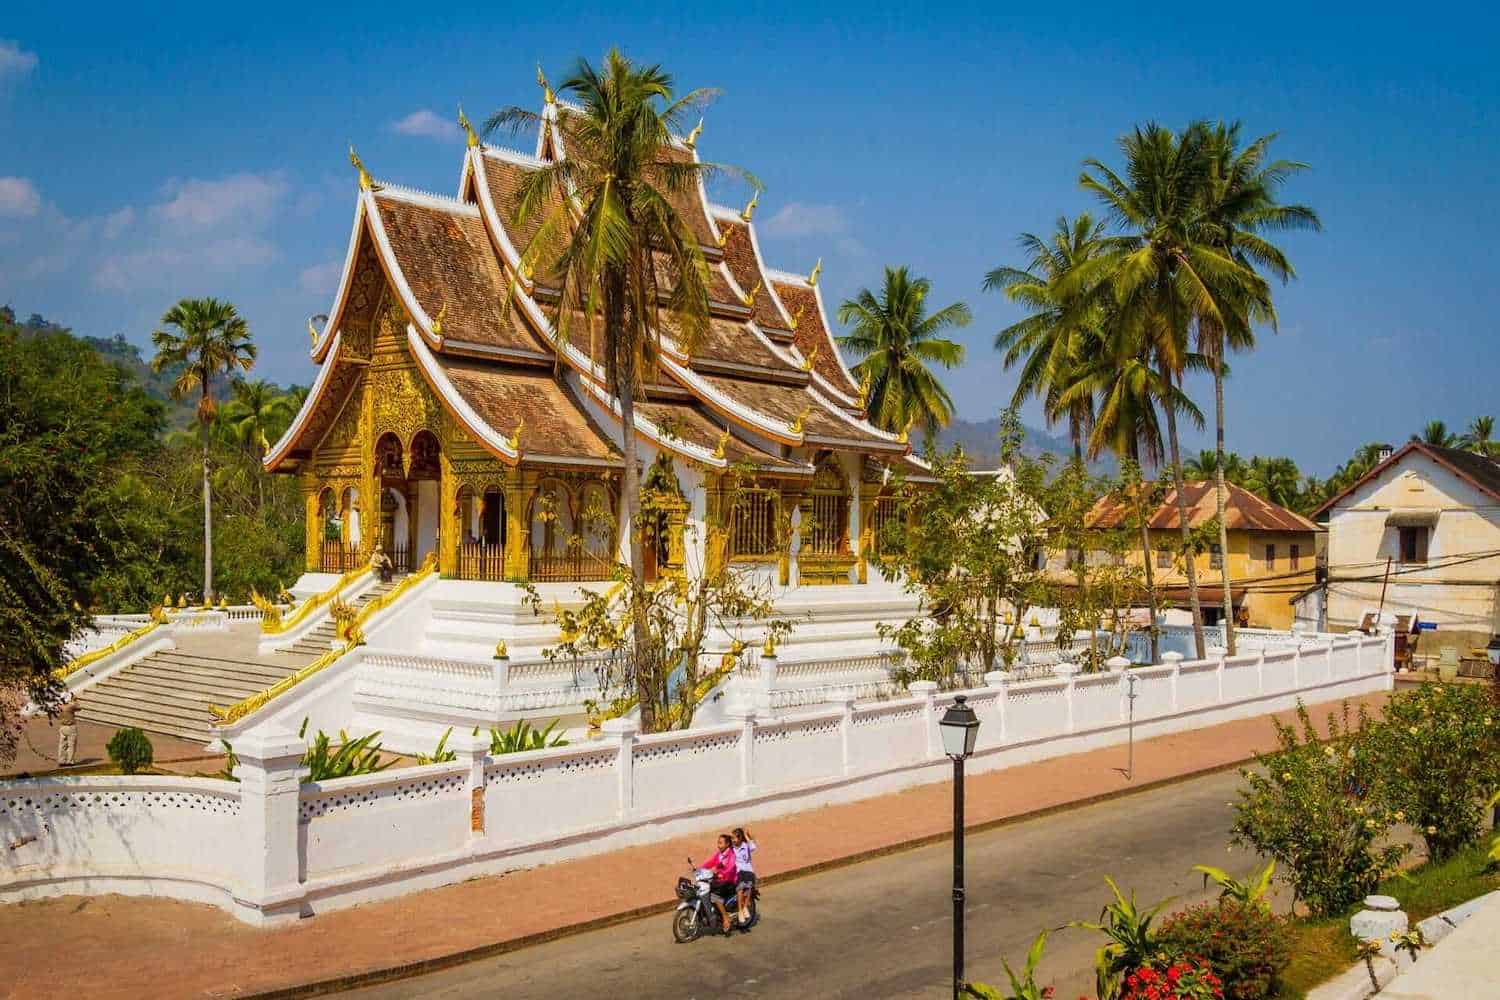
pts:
pixel 742 854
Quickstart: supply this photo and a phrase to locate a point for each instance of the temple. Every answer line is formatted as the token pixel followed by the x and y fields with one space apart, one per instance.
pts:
pixel 450 421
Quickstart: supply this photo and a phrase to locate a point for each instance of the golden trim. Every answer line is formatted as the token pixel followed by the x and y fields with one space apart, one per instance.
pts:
pixel 268 627
pixel 750 207
pixel 95 655
pixel 366 183
pixel 812 279
pixel 463 122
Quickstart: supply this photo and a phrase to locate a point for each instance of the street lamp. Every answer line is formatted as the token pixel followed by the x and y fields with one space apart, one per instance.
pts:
pixel 960 729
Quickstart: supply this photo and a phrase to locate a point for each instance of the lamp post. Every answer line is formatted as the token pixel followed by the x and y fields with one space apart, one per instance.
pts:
pixel 960 729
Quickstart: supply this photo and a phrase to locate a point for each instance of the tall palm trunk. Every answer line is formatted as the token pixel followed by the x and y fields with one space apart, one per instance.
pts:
pixel 1219 497
pixel 208 508
pixel 1146 556
pixel 1189 558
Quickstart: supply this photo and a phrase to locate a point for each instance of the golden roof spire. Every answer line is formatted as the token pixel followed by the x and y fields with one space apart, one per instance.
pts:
pixel 365 182
pixel 692 137
pixel 750 208
pixel 312 331
pixel 463 122
pixel 548 97
pixel 812 279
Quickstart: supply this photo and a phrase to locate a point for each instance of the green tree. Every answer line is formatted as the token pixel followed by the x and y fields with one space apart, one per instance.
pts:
pixel 257 414
pixel 71 426
pixel 1435 432
pixel 897 342
pixel 1063 326
pixel 211 340
pixel 1275 479
pixel 1479 438
pixel 621 256
pixel 1165 272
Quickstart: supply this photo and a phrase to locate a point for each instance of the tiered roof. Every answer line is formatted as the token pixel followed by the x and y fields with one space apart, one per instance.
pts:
pixel 765 377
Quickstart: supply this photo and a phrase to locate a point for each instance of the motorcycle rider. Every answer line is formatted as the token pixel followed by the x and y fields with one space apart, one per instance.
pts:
pixel 723 875
pixel 744 849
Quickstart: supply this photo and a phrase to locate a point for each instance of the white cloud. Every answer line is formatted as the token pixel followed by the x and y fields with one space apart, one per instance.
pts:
pixel 321 279
pixel 14 60
pixel 799 219
pixel 18 197
pixel 118 222
pixel 179 265
pixel 243 199
pixel 426 124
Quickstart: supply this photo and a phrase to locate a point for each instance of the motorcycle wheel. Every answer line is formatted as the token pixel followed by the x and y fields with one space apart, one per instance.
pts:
pixel 754 915
pixel 685 926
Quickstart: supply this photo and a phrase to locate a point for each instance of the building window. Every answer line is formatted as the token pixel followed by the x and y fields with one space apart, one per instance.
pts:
pixel 1163 558
pixel 752 524
pixel 1296 557
pixel 1413 544
pixel 1215 556
pixel 1271 556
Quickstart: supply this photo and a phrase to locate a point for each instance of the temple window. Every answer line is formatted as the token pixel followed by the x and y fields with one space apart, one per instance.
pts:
pixel 752 523
pixel 830 509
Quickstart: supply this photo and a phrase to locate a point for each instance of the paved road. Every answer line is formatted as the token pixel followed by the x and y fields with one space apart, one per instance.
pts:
pixel 883 928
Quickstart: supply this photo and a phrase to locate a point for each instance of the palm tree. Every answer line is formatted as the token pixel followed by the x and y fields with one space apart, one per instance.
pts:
pixel 1435 432
pixel 1239 206
pixel 1165 272
pixel 898 341
pixel 1478 438
pixel 258 413
pixel 1051 340
pixel 1275 479
pixel 211 339
pixel 620 255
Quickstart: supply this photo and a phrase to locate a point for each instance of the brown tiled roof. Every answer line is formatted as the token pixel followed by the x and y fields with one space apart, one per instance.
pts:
pixel 1243 511
pixel 451 268
pixel 786 402
pixel 811 333
pixel 555 424
pixel 688 423
pixel 1483 473
pixel 503 178
pixel 739 254
pixel 728 342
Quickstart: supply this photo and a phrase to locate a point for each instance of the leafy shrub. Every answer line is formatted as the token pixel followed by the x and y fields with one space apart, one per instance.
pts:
pixel 440 754
pixel 521 737
pixel 1022 987
pixel 1172 981
pixel 1316 808
pixel 1243 942
pixel 1251 890
pixel 130 750
pixel 1132 940
pixel 1439 750
pixel 351 757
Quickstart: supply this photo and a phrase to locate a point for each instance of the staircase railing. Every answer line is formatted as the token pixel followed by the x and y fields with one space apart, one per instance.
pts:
pixel 272 622
pixel 352 635
pixel 95 655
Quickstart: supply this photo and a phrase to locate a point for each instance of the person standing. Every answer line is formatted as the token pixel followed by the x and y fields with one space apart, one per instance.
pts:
pixel 67 731
pixel 744 851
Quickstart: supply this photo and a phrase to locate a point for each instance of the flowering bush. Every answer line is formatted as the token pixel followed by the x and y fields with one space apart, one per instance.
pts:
pixel 1246 945
pixel 1439 749
pixel 1183 980
pixel 1317 809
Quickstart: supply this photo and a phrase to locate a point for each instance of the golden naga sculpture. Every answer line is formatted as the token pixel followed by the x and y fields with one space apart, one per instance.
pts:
pixel 159 615
pixel 750 298
pixel 723 236
pixel 692 139
pixel 750 208
pixel 797 424
pixel 797 318
pixel 463 122
pixel 548 97
pixel 515 438
pixel 366 183
pixel 437 321
pixel 312 331
pixel 501 653
pixel 268 611
pixel 812 279
pixel 807 362
pixel 723 441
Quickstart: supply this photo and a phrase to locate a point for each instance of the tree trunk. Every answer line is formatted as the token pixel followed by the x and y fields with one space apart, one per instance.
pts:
pixel 1189 557
pixel 1219 498
pixel 208 520
pixel 623 350
pixel 1146 556
pixel 1076 432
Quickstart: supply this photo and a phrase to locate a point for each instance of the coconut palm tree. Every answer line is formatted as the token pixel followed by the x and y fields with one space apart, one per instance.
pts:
pixel 258 413
pixel 1435 432
pixel 1049 342
pixel 898 341
pixel 210 339
pixel 1479 437
pixel 1239 207
pixel 1275 479
pixel 625 263
pixel 1165 273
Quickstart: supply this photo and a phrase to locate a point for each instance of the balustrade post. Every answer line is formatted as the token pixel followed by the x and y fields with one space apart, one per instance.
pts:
pixel 927 691
pixel 472 750
pixel 1173 659
pixel 1119 665
pixel 745 715
pixel 845 700
pixel 766 684
pixel 269 769
pixel 1297 666
pixel 1069 673
pixel 500 671
pixel 1219 673
pixel 1000 681
pixel 623 732
pixel 1260 671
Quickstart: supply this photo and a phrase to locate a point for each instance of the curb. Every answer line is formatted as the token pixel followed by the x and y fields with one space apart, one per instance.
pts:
pixel 411 970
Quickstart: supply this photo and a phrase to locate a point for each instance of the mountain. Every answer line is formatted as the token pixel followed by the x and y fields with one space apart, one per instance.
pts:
pixel 981 442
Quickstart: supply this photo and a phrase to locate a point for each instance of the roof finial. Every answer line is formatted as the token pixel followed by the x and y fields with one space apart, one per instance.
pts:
pixel 692 137
pixel 905 437
pixel 365 183
pixel 548 97
pixel 750 298
pixel 463 122
pixel 515 437
pixel 797 424
pixel 750 208
pixel 436 326
pixel 812 279
pixel 723 236
pixel 723 441
pixel 312 331
pixel 812 356
pixel 798 317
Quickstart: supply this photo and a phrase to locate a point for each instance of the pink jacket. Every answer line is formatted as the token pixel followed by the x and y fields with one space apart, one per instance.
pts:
pixel 721 863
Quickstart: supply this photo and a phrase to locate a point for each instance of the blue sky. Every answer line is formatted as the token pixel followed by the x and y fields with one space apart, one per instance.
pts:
pixel 150 152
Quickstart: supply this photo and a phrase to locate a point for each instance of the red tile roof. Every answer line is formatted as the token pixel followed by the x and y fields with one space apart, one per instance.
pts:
pixel 1243 511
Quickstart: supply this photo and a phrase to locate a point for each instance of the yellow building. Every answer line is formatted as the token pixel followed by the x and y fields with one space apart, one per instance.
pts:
pixel 1272 553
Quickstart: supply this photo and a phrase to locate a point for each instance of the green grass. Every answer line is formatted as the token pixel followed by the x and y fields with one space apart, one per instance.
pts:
pixel 1323 948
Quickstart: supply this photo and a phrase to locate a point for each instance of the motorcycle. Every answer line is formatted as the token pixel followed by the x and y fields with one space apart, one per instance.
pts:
pixel 696 914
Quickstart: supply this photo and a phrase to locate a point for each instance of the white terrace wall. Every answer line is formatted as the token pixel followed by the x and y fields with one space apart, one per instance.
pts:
pixel 269 850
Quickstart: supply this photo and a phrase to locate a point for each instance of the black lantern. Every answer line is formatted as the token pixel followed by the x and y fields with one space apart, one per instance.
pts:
pixel 960 730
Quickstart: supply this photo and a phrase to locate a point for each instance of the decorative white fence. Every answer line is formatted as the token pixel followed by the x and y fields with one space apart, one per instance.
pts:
pixel 269 849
